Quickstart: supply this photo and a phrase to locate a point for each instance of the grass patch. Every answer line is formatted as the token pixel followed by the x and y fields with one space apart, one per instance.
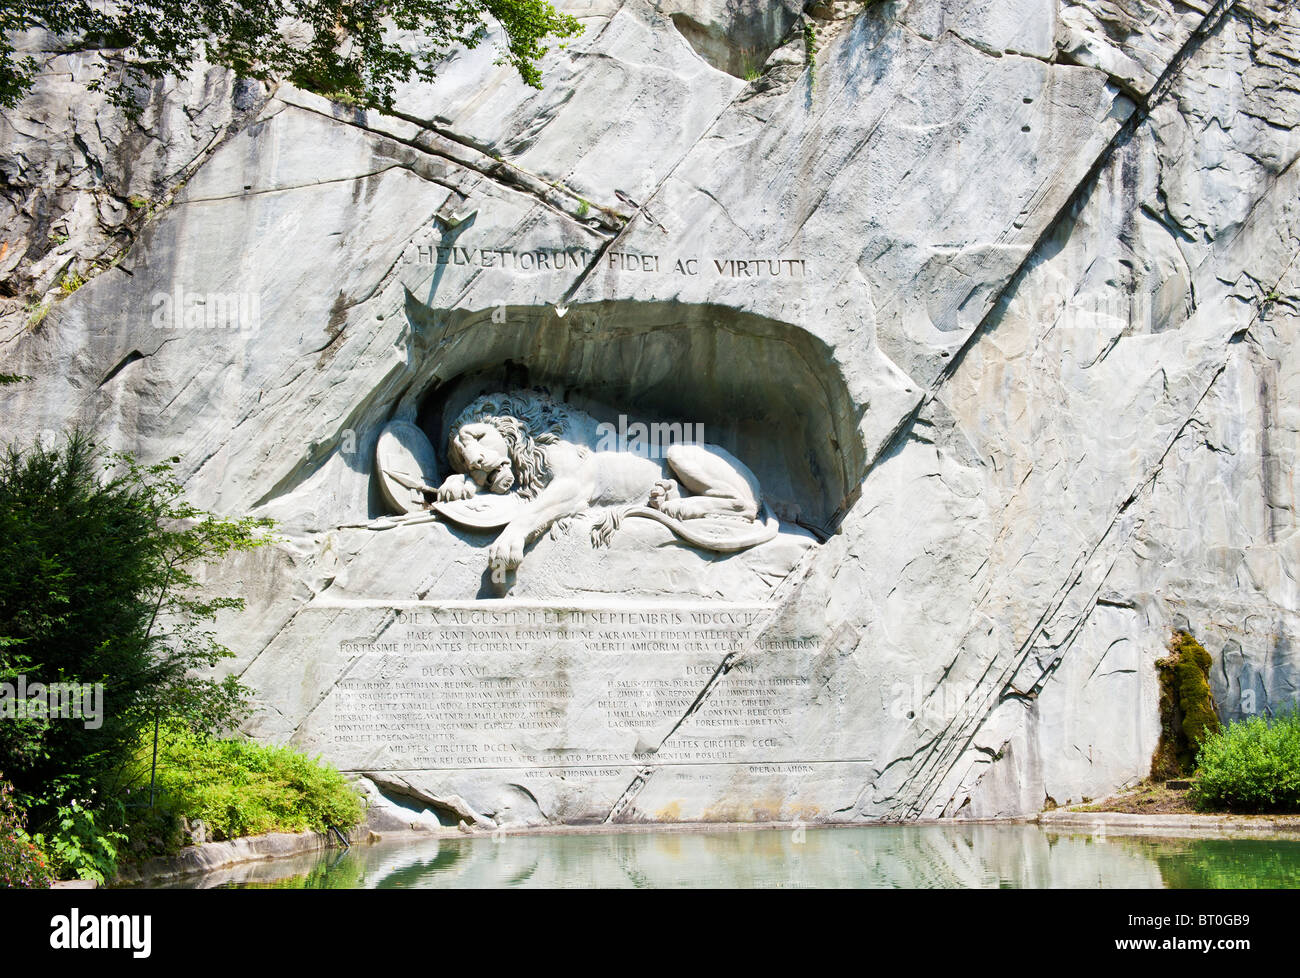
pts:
pixel 36 313
pixel 1147 798
pixel 751 64
pixel 239 787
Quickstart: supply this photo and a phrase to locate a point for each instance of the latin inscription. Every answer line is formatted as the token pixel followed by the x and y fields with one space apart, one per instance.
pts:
pixel 577 259
pixel 557 689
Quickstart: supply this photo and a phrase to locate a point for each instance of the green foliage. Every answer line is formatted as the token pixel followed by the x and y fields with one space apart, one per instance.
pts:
pixel 1251 765
pixel 336 47
pixel 751 64
pixel 71 282
pixel 97 585
pixel 810 46
pixel 238 787
pixel 83 843
pixel 584 208
pixel 22 864
pixel 1187 712
pixel 527 23
pixel 155 831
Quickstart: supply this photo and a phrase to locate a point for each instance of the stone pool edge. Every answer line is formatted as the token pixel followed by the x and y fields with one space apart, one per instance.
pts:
pixel 1131 823
pixel 208 857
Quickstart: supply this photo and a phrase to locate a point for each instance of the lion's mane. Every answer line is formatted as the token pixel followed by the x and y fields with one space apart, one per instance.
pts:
pixel 527 422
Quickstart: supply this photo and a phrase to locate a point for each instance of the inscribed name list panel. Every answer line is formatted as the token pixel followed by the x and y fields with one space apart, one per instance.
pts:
pixel 487 685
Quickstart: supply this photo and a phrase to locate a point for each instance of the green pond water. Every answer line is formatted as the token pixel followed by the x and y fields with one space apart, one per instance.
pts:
pixel 972 856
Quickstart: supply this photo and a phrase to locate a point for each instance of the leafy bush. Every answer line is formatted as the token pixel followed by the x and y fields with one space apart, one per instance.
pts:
pixel 1251 766
pixel 238 787
pixel 83 843
pixel 150 832
pixel 22 864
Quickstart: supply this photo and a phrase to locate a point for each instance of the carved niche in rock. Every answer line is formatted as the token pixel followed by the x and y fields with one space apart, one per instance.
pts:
pixel 523 462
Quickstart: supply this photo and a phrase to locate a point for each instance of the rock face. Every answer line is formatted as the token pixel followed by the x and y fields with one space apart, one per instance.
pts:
pixel 996 300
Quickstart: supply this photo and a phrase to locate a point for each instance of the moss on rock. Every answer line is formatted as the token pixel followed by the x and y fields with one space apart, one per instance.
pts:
pixel 1187 711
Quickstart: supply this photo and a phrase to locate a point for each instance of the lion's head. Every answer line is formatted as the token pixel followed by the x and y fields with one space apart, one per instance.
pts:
pixel 498 442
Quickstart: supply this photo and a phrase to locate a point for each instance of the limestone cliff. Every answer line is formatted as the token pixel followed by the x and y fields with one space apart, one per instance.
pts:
pixel 998 298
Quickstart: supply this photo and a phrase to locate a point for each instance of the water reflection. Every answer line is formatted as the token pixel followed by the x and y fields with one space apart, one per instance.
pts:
pixel 970 856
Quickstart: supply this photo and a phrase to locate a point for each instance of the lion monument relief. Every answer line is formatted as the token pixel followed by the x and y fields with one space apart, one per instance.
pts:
pixel 524 461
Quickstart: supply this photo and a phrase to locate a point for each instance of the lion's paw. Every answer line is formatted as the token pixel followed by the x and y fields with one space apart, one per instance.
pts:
pixel 506 553
pixel 664 491
pixel 455 487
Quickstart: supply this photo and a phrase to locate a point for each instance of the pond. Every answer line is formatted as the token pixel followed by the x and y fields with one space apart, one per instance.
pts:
pixel 916 856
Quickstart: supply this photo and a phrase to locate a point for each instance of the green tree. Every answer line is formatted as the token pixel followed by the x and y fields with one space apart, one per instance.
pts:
pixel 98 556
pixel 358 49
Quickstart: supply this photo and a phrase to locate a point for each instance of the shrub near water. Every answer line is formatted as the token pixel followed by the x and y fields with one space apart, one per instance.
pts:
pixel 238 787
pixel 1251 766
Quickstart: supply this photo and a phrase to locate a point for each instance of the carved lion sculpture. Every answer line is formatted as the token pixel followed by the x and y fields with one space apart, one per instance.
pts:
pixel 532 446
